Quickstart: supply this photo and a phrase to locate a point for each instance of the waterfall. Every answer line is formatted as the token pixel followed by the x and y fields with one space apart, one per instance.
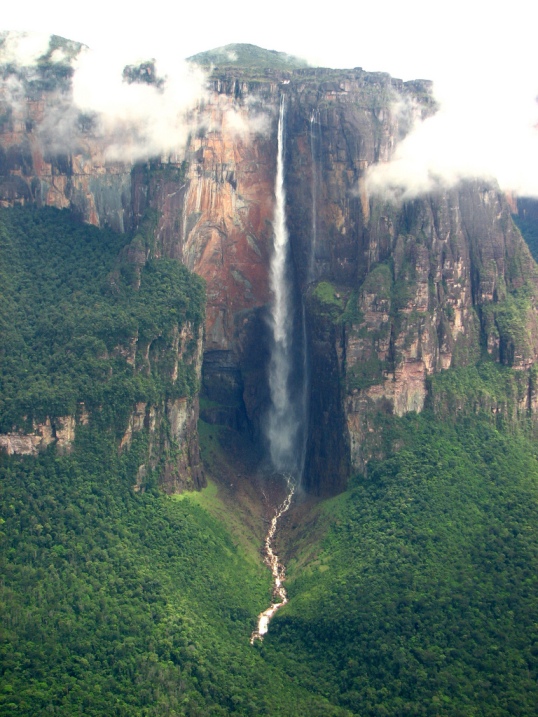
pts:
pixel 315 148
pixel 288 379
pixel 285 425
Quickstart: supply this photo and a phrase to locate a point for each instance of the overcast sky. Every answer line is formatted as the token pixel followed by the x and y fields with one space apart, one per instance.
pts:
pixel 481 55
pixel 409 39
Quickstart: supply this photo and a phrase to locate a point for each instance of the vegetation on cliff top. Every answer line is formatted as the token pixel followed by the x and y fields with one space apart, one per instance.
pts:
pixel 248 56
pixel 52 71
pixel 74 320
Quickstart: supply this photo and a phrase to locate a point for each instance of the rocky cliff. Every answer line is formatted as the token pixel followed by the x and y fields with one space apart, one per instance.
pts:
pixel 393 293
pixel 171 423
pixel 172 452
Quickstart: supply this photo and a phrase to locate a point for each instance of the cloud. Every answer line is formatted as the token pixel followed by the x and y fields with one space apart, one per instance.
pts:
pixel 23 48
pixel 486 128
pixel 151 112
pixel 138 120
pixel 250 117
pixel 133 120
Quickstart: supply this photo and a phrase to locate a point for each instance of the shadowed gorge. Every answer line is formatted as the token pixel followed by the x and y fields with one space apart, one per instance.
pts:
pixel 238 352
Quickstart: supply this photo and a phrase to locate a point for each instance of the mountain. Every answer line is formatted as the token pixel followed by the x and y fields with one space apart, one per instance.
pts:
pixel 247 56
pixel 394 293
pixel 413 336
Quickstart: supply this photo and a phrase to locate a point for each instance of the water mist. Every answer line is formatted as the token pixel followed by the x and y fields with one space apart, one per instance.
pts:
pixel 315 151
pixel 286 420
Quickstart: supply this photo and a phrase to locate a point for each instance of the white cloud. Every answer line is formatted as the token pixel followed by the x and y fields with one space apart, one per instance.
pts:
pixel 135 121
pixel 248 118
pixel 481 59
pixel 23 48
pixel 138 120
pixel 486 127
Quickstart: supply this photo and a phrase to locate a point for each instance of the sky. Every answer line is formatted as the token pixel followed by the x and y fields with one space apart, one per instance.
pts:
pixel 481 56
pixel 411 39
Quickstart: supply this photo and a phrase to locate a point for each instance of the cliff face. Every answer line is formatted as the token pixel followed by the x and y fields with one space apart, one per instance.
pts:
pixel 173 451
pixel 216 219
pixel 446 297
pixel 417 287
pixel 172 424
pixel 35 170
pixel 61 433
pixel 393 293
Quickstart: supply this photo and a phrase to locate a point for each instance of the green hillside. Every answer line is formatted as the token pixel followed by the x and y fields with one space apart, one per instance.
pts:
pixel 112 602
pixel 248 56
pixel 412 593
pixel 70 309
pixel 117 603
pixel 421 599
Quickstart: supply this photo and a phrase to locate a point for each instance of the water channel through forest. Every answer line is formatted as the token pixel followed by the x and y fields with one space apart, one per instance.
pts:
pixel 278 570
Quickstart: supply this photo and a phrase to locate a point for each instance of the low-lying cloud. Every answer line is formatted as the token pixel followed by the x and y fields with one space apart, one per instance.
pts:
pixel 249 118
pixel 134 120
pixel 138 119
pixel 24 49
pixel 486 127
pixel 137 105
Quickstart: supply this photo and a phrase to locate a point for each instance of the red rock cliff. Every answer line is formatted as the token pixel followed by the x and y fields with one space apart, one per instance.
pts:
pixel 417 287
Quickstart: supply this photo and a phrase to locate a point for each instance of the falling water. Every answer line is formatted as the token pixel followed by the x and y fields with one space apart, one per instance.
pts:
pixel 315 144
pixel 286 423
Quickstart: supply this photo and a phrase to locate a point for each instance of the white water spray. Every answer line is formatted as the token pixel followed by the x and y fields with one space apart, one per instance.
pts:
pixel 284 423
pixel 287 415
pixel 315 146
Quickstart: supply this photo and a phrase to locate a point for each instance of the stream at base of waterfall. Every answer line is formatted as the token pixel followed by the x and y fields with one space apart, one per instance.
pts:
pixel 277 569
pixel 286 419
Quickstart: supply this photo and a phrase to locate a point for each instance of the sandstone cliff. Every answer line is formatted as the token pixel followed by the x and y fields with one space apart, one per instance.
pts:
pixel 393 293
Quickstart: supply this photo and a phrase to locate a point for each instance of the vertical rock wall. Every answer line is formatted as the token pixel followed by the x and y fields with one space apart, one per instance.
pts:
pixel 417 287
pixel 33 170
pixel 421 286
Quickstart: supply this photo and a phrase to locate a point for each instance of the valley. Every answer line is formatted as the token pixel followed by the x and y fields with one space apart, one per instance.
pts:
pixel 179 333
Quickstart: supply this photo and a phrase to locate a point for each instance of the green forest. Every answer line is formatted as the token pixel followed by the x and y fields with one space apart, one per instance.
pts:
pixel 73 302
pixel 421 599
pixel 414 592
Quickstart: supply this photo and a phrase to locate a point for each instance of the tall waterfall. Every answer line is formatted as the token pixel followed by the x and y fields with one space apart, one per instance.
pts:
pixel 288 384
pixel 315 149
pixel 285 429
